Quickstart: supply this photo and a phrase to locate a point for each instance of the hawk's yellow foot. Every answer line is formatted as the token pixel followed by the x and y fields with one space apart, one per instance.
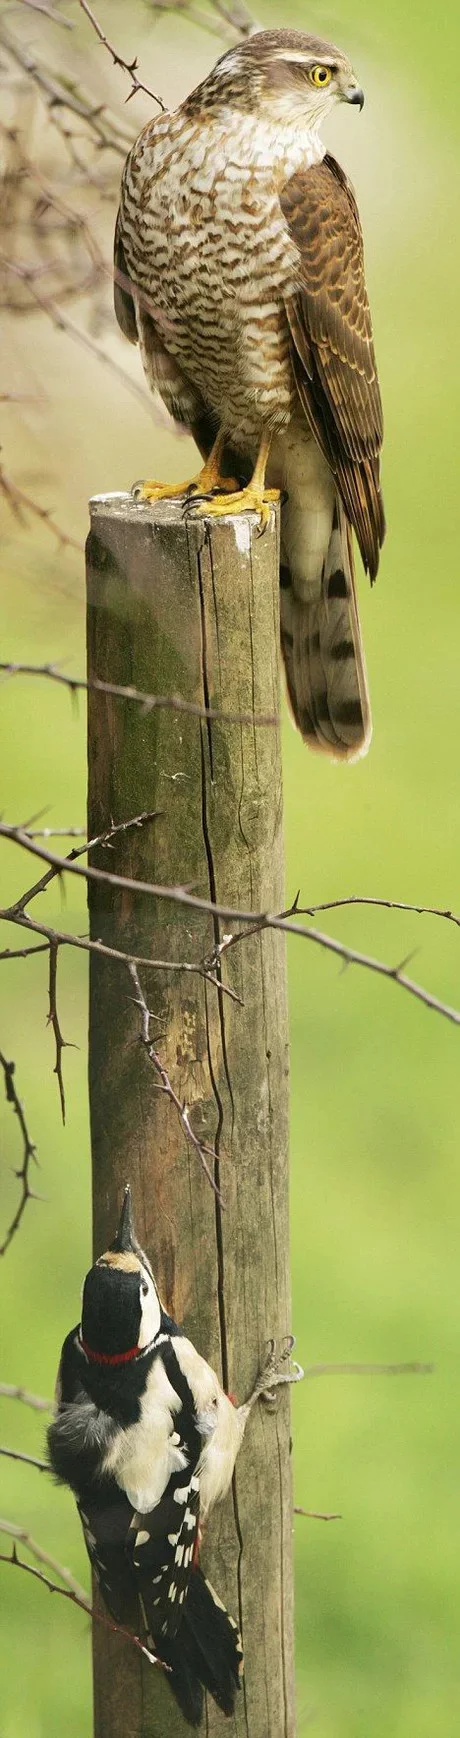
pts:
pixel 199 485
pixel 203 483
pixel 253 499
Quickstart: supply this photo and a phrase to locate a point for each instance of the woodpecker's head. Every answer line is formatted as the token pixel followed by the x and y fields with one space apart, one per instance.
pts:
pixel 121 1310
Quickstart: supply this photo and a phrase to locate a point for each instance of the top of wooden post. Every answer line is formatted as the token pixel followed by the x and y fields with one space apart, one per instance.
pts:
pixel 121 504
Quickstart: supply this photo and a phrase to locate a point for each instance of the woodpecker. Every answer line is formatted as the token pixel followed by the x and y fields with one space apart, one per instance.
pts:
pixel 147 1440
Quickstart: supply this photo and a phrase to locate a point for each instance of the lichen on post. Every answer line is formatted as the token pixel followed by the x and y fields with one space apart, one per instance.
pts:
pixel 181 605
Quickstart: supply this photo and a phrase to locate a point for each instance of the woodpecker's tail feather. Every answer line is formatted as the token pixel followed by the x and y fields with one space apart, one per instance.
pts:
pixel 323 653
pixel 206 1653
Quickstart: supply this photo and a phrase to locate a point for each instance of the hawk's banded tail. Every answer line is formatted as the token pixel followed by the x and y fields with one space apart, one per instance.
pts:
pixel 323 652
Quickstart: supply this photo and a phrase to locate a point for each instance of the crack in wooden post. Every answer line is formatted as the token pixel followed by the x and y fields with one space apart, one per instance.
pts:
pixel 192 607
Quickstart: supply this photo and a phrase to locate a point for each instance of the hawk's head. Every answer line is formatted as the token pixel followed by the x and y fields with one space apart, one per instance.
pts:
pixel 284 75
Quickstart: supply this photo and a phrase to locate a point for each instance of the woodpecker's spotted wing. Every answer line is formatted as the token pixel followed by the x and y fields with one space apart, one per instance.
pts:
pixel 162 1549
pixel 106 1519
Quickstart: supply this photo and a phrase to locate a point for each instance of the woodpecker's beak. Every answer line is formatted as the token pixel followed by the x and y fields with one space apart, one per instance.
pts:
pixel 125 1241
pixel 354 94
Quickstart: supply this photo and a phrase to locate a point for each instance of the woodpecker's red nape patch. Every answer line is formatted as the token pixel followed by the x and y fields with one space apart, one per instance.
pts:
pixel 109 1357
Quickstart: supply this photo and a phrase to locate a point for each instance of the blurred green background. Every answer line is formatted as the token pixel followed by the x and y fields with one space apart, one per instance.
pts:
pixel 375 1123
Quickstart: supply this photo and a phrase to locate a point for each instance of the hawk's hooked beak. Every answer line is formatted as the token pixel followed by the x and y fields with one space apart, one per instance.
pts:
pixel 354 94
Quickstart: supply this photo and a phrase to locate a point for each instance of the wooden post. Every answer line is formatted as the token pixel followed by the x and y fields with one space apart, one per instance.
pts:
pixel 191 607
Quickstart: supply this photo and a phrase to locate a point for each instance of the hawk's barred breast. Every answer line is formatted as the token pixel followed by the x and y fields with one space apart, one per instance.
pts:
pixel 205 238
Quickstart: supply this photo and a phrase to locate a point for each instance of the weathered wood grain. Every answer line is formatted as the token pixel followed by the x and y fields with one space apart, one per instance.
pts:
pixel 191 607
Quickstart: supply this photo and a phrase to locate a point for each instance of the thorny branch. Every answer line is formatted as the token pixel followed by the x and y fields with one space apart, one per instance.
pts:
pixel 383 905
pixel 10 914
pixel 53 1020
pixel 84 1604
pixel 148 702
pixel 166 1085
pixel 60 938
pixel 54 939
pixel 102 840
pixel 126 66
pixel 29 1152
pixel 263 920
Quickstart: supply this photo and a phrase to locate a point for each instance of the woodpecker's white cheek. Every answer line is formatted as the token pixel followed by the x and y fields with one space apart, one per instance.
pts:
pixel 150 1311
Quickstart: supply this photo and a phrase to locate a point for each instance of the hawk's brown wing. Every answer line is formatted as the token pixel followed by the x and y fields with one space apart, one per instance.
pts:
pixel 331 339
pixel 122 298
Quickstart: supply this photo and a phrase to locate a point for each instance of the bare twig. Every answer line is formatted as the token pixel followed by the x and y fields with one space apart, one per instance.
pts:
pixel 148 702
pixel 126 66
pixel 221 20
pixel 20 397
pixel 62 323
pixel 29 1151
pixel 316 1514
pixel 19 503
pixel 264 920
pixel 24 953
pixel 29 1460
pixel 49 12
pixel 411 1369
pixel 52 200
pixel 166 1085
pixel 37 1551
pixel 67 1593
pixel 36 1401
pixel 236 15
pixel 64 94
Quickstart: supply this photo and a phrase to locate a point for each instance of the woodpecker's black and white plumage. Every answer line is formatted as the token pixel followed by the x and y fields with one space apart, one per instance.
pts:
pixel 147 1440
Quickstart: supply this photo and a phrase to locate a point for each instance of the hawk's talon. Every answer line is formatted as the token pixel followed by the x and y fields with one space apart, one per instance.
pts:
pixel 207 480
pixel 251 499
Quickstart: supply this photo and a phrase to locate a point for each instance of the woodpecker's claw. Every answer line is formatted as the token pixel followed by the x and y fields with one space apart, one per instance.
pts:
pixel 276 1371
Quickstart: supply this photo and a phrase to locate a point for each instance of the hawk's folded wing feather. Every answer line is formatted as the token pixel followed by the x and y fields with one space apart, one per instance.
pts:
pixel 331 343
pixel 123 301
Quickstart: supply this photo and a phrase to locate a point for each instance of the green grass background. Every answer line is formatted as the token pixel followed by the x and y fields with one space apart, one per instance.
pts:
pixel 375 1123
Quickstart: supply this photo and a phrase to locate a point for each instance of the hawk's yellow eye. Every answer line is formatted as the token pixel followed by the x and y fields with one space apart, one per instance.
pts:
pixel 320 76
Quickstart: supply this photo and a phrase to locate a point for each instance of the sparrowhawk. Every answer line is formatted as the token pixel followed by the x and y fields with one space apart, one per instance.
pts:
pixel 239 271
